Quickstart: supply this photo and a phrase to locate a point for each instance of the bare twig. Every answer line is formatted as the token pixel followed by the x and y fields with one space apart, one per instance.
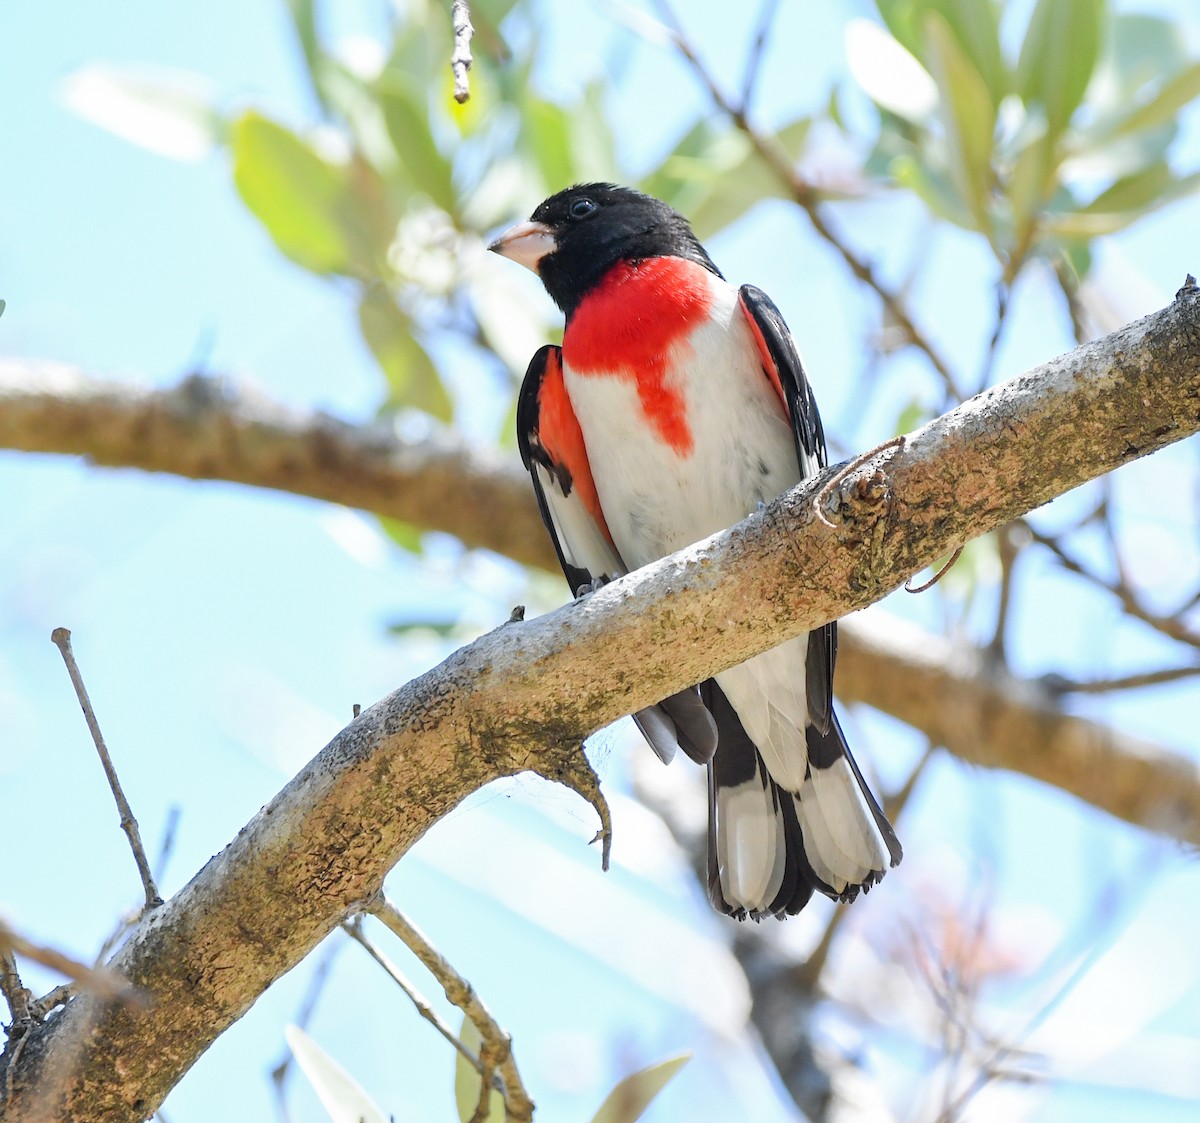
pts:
pixel 354 929
pixel 460 61
pixel 1010 540
pixel 103 983
pixel 497 1043
pixel 1171 626
pixel 61 638
pixel 809 199
pixel 16 994
pixel 59 996
pixel 766 18
pixel 1059 684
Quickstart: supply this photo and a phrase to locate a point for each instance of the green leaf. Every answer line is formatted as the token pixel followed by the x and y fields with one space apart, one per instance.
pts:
pixel 547 134
pixel 969 118
pixel 413 380
pixel 1161 109
pixel 1142 48
pixel 170 112
pixel 714 175
pixel 914 414
pixel 294 192
pixel 626 1102
pixel 404 534
pixel 934 188
pixel 467 1084
pixel 340 1094
pixel 976 27
pixel 3 305
pixel 1128 200
pixel 1058 57
pixel 406 112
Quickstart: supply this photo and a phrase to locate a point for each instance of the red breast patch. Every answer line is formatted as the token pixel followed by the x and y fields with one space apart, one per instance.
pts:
pixel 627 326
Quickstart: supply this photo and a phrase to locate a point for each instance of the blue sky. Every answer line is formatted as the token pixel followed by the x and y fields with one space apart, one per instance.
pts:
pixel 224 633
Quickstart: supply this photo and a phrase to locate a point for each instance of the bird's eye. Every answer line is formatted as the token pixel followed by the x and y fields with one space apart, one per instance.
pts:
pixel 581 207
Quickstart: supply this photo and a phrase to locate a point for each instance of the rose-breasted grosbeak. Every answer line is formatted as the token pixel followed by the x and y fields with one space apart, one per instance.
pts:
pixel 674 407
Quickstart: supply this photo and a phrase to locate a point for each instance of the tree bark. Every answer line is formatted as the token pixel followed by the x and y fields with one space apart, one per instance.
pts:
pixel 523 696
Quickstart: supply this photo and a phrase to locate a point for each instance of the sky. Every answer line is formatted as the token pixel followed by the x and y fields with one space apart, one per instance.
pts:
pixel 224 634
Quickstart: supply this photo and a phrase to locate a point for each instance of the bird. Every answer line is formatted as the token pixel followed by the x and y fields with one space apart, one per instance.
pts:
pixel 676 406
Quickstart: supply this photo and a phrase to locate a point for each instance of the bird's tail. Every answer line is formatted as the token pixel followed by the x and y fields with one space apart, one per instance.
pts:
pixel 770 847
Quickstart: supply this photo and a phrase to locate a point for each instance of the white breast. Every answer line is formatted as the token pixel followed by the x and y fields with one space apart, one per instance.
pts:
pixel 657 500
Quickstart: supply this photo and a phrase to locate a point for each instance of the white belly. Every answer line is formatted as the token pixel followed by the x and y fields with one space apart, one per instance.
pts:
pixel 657 500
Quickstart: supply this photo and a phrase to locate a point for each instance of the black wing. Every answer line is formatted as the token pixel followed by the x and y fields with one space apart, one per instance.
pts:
pixel 785 369
pixel 553 451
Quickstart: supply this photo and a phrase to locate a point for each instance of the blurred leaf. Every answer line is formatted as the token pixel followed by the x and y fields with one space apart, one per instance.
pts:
pixel 889 74
pixel 1078 259
pixel 406 112
pixel 3 305
pixel 933 187
pixel 292 190
pixel 1161 109
pixel 366 218
pixel 1058 57
pixel 1128 200
pixel 547 130
pixel 492 10
pixel 166 111
pixel 592 138
pixel 714 175
pixel 626 1102
pixel 968 115
pixel 340 1094
pixel 510 323
pixel 405 535
pixel 1142 48
pixel 976 27
pixel 911 416
pixel 467 1084
pixel 413 380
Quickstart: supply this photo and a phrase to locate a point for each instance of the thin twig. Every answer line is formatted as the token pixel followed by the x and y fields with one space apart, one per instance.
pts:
pixel 354 929
pixel 460 60
pixel 1059 684
pixel 59 996
pixel 809 199
pixel 1009 541
pixel 766 18
pixel 1170 626
pixel 103 983
pixel 61 638
pixel 16 994
pixel 460 992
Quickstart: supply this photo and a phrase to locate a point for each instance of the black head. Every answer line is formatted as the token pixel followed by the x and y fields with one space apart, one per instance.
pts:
pixel 576 236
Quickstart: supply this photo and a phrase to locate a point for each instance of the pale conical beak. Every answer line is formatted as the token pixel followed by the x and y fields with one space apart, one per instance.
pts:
pixel 526 243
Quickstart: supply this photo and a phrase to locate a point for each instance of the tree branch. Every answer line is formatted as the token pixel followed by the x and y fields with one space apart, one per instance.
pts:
pixel 206 428
pixel 985 716
pixel 521 697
